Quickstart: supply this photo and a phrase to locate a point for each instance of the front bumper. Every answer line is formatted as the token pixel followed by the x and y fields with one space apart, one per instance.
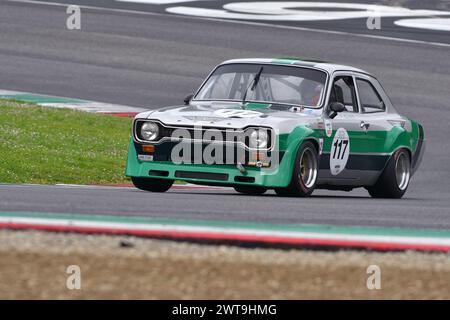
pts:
pixel 226 175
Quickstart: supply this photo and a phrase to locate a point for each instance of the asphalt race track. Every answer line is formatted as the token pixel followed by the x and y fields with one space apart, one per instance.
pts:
pixel 324 207
pixel 154 60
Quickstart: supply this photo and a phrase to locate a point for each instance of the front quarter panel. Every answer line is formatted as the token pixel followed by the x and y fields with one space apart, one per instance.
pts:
pixel 290 143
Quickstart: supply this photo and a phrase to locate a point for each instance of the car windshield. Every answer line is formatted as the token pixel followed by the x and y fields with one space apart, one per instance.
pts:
pixel 276 84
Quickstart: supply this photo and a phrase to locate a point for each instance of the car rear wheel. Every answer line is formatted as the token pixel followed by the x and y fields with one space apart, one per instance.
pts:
pixel 152 184
pixel 251 190
pixel 394 180
pixel 305 171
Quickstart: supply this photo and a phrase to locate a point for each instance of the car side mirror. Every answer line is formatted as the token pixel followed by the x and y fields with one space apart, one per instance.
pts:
pixel 335 108
pixel 188 99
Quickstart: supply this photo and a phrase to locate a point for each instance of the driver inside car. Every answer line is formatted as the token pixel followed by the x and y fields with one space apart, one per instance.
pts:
pixel 310 92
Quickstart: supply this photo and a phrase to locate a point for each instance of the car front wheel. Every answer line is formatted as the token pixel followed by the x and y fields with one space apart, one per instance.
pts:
pixel 305 171
pixel 152 184
pixel 394 180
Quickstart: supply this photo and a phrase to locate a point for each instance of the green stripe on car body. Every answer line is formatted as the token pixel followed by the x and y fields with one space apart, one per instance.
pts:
pixel 256 105
pixel 381 142
pixel 284 61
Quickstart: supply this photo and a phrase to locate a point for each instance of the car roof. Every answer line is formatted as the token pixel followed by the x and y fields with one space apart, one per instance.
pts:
pixel 327 66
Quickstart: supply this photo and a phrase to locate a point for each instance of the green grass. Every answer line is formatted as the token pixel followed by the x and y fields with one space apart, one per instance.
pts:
pixel 43 145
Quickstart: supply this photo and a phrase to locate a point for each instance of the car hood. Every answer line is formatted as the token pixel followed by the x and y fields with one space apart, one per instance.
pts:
pixel 233 115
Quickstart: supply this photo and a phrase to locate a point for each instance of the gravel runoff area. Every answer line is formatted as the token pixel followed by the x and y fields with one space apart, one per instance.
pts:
pixel 33 265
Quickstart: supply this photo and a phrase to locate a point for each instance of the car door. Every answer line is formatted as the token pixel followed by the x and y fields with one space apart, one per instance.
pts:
pixel 373 122
pixel 344 137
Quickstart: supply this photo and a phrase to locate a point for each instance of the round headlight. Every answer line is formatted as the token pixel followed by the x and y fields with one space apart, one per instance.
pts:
pixel 259 139
pixel 149 131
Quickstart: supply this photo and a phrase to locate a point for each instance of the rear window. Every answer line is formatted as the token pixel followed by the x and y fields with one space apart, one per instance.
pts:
pixel 369 98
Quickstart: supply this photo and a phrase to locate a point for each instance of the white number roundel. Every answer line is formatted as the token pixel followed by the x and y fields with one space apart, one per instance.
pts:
pixel 340 150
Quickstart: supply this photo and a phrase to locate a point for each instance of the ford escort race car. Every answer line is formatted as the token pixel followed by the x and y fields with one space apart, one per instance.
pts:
pixel 285 124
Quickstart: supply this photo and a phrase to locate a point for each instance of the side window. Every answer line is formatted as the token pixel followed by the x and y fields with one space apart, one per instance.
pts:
pixel 343 91
pixel 369 97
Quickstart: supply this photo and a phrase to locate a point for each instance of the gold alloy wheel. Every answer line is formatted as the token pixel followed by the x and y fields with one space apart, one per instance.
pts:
pixel 308 167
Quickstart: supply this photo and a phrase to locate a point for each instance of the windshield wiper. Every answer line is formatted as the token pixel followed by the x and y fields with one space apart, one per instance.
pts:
pixel 252 84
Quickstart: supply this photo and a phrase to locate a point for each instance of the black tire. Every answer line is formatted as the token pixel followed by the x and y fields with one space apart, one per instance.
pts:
pixel 388 184
pixel 298 187
pixel 250 190
pixel 152 184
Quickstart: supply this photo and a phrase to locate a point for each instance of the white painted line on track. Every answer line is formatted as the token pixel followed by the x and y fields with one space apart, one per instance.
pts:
pixel 158 1
pixel 261 24
pixel 439 24
pixel 175 186
pixel 112 187
pixel 298 11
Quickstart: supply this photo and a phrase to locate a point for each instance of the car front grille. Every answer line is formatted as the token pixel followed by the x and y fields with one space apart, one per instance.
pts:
pixel 203 134
pixel 230 154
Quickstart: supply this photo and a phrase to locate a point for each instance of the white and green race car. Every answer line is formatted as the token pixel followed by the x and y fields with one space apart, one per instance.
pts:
pixel 285 124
